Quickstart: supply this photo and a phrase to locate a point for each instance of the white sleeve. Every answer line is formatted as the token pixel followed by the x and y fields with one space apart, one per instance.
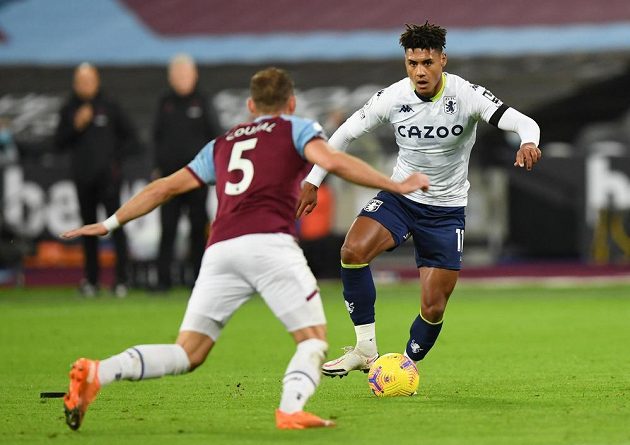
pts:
pixel 487 106
pixel 524 126
pixel 339 140
pixel 373 113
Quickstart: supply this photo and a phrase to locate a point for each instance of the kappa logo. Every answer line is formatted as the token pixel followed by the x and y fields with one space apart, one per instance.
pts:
pixel 373 205
pixel 406 109
pixel 450 105
pixel 349 306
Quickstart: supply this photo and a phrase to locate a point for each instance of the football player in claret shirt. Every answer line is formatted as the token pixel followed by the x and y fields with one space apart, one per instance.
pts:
pixel 257 168
pixel 434 115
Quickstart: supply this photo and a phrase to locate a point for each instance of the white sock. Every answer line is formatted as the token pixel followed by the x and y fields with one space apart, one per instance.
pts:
pixel 366 339
pixel 144 362
pixel 302 375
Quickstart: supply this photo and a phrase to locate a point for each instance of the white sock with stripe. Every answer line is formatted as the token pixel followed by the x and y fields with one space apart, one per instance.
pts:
pixel 144 362
pixel 302 375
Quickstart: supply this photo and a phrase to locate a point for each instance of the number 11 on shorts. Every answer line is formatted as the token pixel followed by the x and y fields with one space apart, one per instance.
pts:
pixel 460 239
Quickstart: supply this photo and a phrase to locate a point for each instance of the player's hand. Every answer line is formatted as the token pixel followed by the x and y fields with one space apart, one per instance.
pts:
pixel 83 116
pixel 308 200
pixel 527 156
pixel 97 229
pixel 414 182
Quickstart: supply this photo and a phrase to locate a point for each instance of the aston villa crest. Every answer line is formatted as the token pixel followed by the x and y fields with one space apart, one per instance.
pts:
pixel 373 205
pixel 450 104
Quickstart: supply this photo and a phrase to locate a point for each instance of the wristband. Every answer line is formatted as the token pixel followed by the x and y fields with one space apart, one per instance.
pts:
pixel 111 223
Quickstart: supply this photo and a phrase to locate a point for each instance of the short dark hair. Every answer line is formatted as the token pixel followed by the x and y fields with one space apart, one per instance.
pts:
pixel 271 88
pixel 427 36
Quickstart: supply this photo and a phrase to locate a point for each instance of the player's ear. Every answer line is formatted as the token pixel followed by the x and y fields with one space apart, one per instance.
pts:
pixel 291 104
pixel 251 106
pixel 443 60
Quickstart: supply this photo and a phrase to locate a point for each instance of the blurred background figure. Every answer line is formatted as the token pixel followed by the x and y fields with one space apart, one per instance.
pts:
pixel 184 123
pixel 97 132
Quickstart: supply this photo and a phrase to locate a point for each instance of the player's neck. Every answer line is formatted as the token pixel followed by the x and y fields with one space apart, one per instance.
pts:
pixel 275 113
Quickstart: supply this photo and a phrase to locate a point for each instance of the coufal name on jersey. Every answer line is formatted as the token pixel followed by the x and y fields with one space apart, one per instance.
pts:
pixel 429 131
pixel 250 130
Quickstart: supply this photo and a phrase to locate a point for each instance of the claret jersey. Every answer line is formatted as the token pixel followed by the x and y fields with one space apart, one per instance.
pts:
pixel 257 168
pixel 435 135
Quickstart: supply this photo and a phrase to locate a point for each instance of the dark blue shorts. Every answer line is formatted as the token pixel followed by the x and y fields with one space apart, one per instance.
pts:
pixel 438 232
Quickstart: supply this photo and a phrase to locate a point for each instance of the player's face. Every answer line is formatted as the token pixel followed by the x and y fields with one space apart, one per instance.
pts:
pixel 424 68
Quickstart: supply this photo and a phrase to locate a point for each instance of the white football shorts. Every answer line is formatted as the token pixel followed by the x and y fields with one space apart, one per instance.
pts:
pixel 271 264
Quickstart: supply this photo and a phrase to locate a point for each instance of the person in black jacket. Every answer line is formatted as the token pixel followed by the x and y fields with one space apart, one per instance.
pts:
pixel 96 131
pixel 185 122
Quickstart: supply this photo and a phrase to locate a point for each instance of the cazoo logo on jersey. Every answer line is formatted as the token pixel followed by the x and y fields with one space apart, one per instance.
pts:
pixel 429 131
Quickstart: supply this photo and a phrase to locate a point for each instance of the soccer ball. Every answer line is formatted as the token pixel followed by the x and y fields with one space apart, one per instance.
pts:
pixel 393 375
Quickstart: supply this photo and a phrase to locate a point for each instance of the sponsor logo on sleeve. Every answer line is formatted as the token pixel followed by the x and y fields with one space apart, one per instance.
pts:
pixel 488 95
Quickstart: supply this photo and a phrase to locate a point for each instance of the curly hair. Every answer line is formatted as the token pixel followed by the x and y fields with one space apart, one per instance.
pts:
pixel 427 36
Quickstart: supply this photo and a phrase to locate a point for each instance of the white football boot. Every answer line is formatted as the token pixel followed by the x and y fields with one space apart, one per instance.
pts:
pixel 352 360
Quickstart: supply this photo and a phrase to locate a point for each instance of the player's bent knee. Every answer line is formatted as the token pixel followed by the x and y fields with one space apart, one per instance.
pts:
pixel 433 312
pixel 353 253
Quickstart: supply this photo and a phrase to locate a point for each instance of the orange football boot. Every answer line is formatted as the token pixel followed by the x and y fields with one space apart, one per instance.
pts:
pixel 84 386
pixel 300 420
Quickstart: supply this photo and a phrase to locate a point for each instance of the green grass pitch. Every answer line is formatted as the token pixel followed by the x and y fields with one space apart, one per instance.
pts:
pixel 514 365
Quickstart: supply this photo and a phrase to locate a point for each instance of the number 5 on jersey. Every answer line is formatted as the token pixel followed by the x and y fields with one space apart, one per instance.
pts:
pixel 239 163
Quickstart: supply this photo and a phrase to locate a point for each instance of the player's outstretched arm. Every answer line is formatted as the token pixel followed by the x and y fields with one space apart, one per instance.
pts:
pixel 355 170
pixel 528 153
pixel 153 195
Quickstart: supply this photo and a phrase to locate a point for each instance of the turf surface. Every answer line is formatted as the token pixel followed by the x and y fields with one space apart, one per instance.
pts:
pixel 514 365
